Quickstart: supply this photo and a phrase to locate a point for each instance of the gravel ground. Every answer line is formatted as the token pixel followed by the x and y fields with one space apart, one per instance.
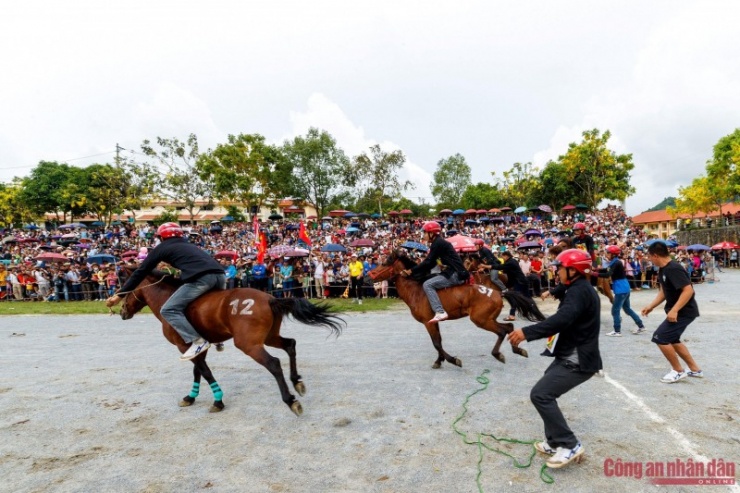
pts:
pixel 89 403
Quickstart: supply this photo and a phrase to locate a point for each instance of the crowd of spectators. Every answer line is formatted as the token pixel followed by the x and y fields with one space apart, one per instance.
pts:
pixel 87 259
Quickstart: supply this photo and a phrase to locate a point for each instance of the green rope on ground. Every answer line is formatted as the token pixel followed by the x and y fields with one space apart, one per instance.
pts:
pixel 484 381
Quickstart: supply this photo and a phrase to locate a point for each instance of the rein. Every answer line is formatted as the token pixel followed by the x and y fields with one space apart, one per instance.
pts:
pixel 133 291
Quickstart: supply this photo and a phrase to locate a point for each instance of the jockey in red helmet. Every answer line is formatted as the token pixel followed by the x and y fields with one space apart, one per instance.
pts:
pixel 199 272
pixel 454 274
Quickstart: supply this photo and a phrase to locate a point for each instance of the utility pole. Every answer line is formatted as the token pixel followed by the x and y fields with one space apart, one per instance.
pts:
pixel 118 154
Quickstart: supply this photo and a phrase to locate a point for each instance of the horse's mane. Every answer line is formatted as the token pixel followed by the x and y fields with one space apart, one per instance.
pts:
pixel 167 278
pixel 401 256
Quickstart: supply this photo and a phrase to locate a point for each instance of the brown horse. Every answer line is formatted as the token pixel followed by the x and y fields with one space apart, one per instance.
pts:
pixel 482 304
pixel 249 316
pixel 472 263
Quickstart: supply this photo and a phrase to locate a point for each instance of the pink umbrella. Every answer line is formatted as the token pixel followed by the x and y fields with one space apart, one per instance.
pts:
pixel 363 242
pixel 726 245
pixel 463 243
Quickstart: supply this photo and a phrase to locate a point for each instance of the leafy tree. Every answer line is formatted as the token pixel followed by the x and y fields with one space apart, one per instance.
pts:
pixel 481 196
pixel 519 184
pixel 664 204
pixel 596 171
pixel 240 169
pixel 697 197
pixel 723 170
pixel 181 181
pixel 555 188
pixel 321 169
pixel 13 207
pixel 380 170
pixel 46 189
pixel 168 215
pixel 450 181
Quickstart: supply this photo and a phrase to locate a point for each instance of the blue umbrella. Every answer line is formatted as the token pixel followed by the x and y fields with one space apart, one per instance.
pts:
pixel 471 222
pixel 97 223
pixel 333 247
pixel 669 243
pixel 698 246
pixel 352 229
pixel 350 214
pixel 72 225
pixel 457 212
pixel 415 245
pixel 519 209
pixel 101 258
pixel 375 216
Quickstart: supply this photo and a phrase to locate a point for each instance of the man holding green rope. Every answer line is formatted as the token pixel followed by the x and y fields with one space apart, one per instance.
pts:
pixel 576 353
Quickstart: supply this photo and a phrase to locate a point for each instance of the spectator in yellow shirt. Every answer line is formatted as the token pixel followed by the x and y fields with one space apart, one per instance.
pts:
pixel 356 277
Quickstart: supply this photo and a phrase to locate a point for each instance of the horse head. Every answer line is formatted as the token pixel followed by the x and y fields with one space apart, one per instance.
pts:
pixel 396 262
pixel 143 294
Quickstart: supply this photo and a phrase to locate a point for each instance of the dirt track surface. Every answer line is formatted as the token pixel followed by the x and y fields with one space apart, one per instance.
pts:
pixel 89 403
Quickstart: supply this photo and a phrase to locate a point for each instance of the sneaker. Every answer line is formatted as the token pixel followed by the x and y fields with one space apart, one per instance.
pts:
pixel 673 376
pixel 638 330
pixel 695 374
pixel 439 317
pixel 614 333
pixel 645 286
pixel 197 347
pixel 544 448
pixel 564 456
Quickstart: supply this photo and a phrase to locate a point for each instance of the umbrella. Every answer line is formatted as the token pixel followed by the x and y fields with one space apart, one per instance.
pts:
pixel 101 258
pixel 364 215
pixel 333 247
pixel 545 208
pixel 278 250
pixel 363 242
pixel 52 257
pixel 226 254
pixel 725 245
pixel 471 222
pixel 697 247
pixel 445 211
pixel 296 252
pixel 326 218
pixel 581 206
pixel 374 215
pixel 69 235
pixel 471 211
pixel 482 211
pixel 405 211
pixel 29 240
pixel 463 243
pixel 274 217
pixel 393 213
pixel 505 209
pixel 30 226
pixel 519 209
pixel 530 232
pixel 494 210
pixel 350 214
pixel 130 253
pixel 529 244
pixel 72 225
pixel 80 246
pixel 311 217
pixel 415 245
pixel 97 223
pixel 338 212
pixel 568 207
pixel 669 243
pixel 227 218
pixel 291 227
pixel 351 229
pixel 457 212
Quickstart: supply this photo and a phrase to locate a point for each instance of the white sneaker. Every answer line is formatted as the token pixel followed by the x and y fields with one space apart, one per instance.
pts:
pixel 614 333
pixel 564 456
pixel 673 376
pixel 695 374
pixel 638 330
pixel 197 347
pixel 544 448
pixel 439 317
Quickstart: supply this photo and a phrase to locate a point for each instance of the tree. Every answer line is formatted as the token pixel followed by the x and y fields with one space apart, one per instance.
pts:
pixel 481 196
pixel 13 207
pixel 181 181
pixel 240 169
pixel 321 169
pixel 519 184
pixel 380 170
pixel 723 170
pixel 697 197
pixel 596 171
pixel 555 187
pixel 450 181
pixel 46 189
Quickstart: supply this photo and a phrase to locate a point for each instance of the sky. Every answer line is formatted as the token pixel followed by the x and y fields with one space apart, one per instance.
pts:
pixel 498 82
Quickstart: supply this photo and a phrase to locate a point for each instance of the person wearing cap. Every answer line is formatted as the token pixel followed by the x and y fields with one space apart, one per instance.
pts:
pixel 488 259
pixel 517 280
pixel 357 277
pixel 442 251
pixel 200 273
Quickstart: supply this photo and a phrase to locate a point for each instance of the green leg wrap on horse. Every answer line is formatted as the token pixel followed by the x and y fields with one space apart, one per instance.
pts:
pixel 195 391
pixel 217 392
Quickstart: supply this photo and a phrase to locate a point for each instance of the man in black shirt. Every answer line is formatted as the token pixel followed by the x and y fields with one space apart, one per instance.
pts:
pixel 517 280
pixel 199 271
pixel 681 309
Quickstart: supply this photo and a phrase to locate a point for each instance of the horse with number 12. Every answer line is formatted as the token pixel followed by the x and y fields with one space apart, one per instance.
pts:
pixel 249 316
pixel 481 303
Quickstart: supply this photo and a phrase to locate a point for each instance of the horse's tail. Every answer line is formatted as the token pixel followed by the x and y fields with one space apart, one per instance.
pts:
pixel 526 307
pixel 307 313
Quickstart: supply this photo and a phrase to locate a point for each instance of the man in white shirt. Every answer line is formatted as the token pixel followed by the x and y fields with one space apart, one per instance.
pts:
pixel 318 276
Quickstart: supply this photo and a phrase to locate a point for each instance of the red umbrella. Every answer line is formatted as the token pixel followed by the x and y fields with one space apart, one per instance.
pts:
pixel 405 211
pixel 363 242
pixel 494 210
pixel 726 245
pixel 505 209
pixel 338 212
pixel 130 253
pixel 471 211
pixel 482 211
pixel 463 243
pixel 445 211
pixel 393 213
pixel 227 254
pixel 52 257
pixel 568 207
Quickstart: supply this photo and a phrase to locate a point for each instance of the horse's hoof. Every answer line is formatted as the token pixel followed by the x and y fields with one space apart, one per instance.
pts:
pixel 457 362
pixel 296 408
pixel 219 346
pixel 500 357
pixel 300 388
pixel 187 401
pixel 524 353
pixel 436 365
pixel 216 407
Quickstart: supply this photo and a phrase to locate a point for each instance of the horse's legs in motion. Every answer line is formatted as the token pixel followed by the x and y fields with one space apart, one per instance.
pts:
pixel 261 356
pixel 487 320
pixel 201 368
pixel 433 330
pixel 189 399
pixel 288 345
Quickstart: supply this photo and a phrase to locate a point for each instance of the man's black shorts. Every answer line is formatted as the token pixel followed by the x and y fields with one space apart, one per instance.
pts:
pixel 670 332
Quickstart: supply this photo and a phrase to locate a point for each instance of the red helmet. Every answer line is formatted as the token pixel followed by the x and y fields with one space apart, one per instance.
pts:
pixel 579 226
pixel 614 249
pixel 432 227
pixel 580 260
pixel 170 230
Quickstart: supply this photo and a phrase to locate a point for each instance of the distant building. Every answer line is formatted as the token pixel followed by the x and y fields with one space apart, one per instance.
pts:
pixel 662 224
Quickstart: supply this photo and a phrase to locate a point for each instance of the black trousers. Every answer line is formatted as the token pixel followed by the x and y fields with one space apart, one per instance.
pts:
pixel 559 378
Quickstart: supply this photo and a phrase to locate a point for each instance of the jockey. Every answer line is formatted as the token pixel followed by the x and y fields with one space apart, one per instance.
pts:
pixel 453 274
pixel 199 272
pixel 488 259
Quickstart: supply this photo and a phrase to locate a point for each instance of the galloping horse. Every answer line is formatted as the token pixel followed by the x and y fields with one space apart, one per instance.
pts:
pixel 482 304
pixel 472 263
pixel 250 316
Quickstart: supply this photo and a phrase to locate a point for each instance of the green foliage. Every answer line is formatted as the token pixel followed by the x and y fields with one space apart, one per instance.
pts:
pixel 555 187
pixel 664 204
pixel 450 181
pixel 481 196
pixel 168 215
pixel 236 213
pixel 597 172
pixel 723 170
pixel 321 169
pixel 379 172
pixel 46 189
pixel 518 185
pixel 13 208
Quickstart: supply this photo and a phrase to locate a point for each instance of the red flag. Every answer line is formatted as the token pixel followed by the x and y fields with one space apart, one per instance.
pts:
pixel 261 248
pixel 303 236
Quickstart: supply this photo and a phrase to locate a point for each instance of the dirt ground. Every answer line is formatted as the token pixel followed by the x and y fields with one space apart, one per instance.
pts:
pixel 89 403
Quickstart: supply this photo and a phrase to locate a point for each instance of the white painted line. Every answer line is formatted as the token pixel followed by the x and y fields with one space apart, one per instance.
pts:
pixel 683 442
